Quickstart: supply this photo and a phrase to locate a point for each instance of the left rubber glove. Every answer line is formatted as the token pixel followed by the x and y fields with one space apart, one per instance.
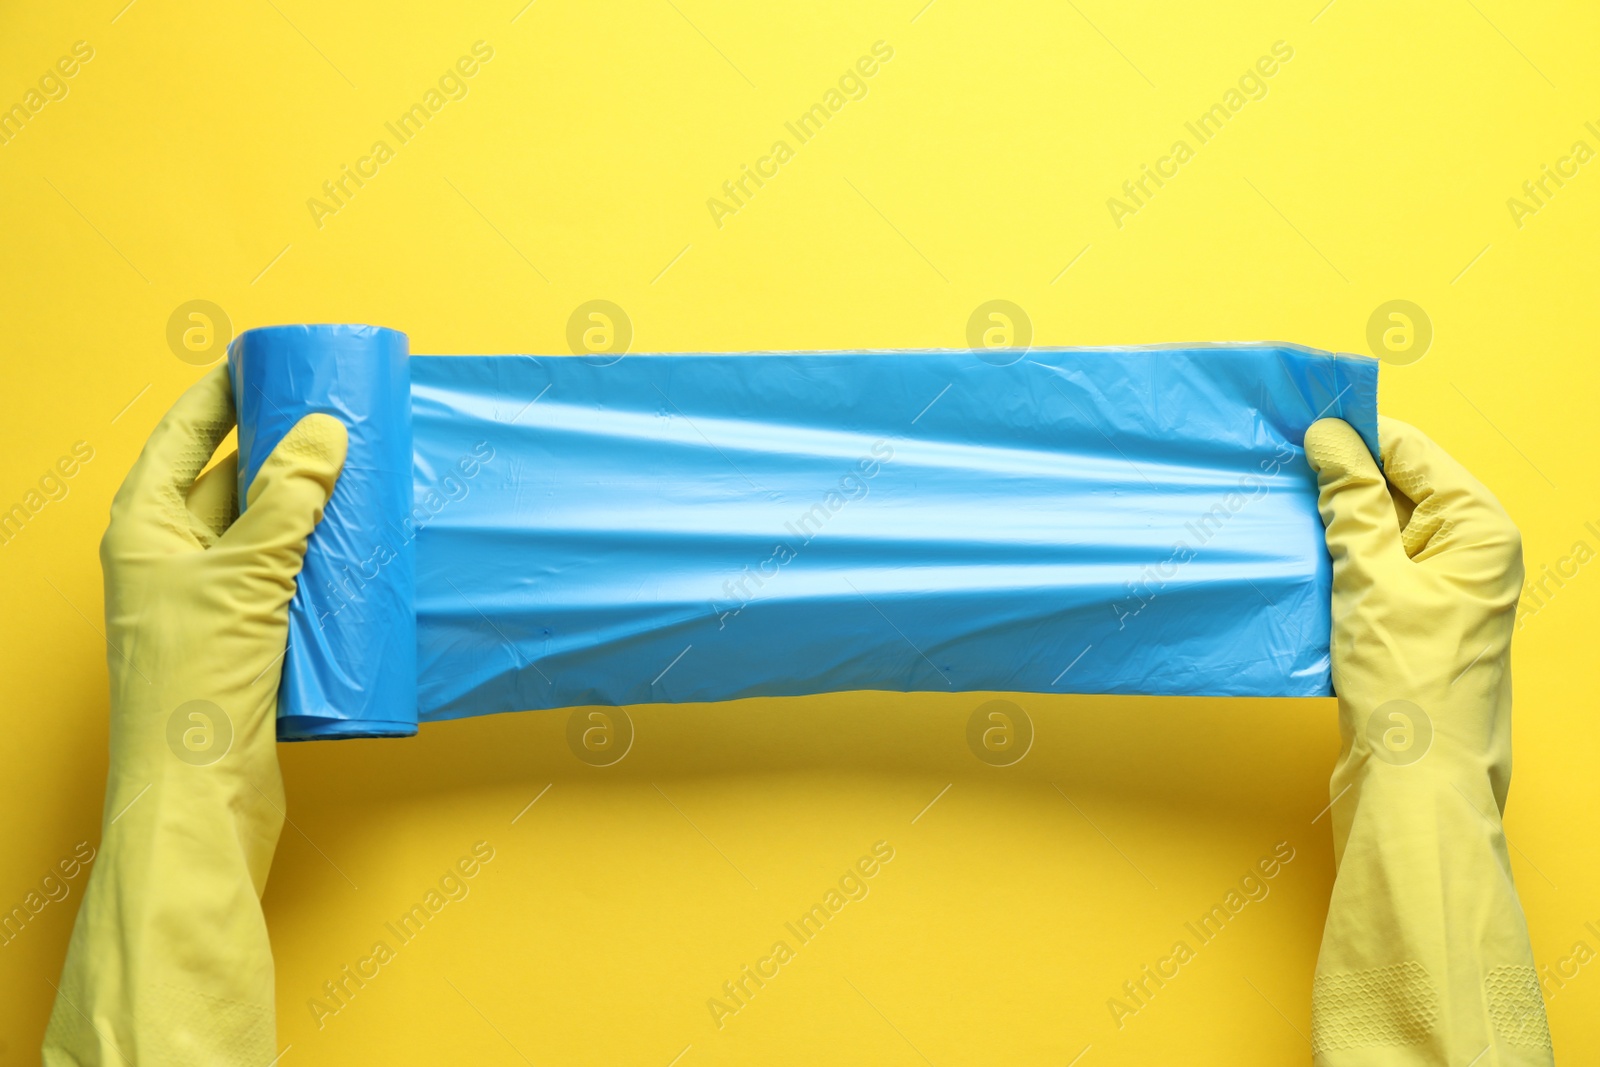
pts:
pixel 169 961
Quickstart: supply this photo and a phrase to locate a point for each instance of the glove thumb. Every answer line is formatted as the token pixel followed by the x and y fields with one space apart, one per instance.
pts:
pixel 1362 527
pixel 286 498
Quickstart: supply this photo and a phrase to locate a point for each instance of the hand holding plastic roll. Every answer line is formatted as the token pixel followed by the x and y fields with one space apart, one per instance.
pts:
pixel 675 528
pixel 169 962
pixel 351 665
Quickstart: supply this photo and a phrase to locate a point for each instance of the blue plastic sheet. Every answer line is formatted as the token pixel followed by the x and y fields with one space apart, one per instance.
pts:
pixel 673 528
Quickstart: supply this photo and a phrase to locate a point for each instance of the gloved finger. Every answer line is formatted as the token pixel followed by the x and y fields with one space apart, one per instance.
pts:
pixel 1453 509
pixel 1353 498
pixel 285 500
pixel 214 499
pixel 153 495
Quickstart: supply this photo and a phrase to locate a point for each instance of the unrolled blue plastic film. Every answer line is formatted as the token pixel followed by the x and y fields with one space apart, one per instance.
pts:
pixel 674 528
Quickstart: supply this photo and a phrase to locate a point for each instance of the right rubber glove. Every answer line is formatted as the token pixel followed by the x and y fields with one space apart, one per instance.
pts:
pixel 1425 957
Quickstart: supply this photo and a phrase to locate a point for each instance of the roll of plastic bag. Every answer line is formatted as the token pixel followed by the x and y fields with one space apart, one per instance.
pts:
pixel 676 528
pixel 351 665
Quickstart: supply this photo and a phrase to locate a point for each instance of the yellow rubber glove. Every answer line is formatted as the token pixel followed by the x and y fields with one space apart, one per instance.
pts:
pixel 1425 958
pixel 169 962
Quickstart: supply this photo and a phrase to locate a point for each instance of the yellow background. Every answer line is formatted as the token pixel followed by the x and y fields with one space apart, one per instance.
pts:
pixel 978 166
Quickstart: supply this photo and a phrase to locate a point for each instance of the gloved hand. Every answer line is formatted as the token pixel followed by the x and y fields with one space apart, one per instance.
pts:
pixel 1425 957
pixel 169 962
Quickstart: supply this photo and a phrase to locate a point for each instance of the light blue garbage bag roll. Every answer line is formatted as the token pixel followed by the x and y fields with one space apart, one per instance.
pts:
pixel 351 665
pixel 676 528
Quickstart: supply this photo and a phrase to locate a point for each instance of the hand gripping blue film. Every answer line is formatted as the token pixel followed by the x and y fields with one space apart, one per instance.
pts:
pixel 524 532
